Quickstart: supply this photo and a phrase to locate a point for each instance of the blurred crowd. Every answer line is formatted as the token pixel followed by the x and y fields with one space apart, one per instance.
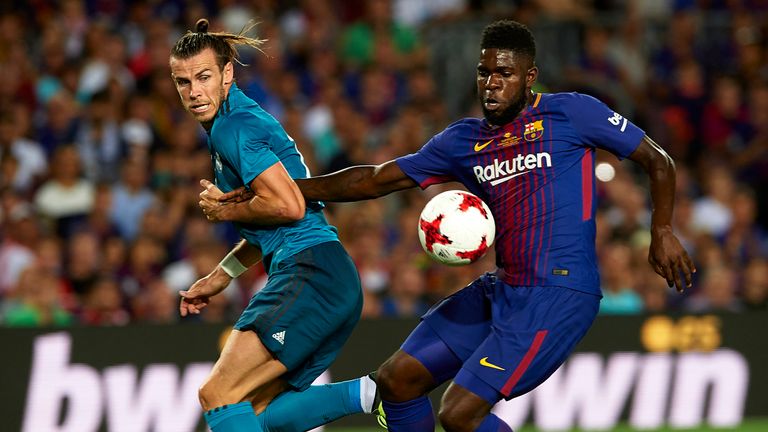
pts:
pixel 99 165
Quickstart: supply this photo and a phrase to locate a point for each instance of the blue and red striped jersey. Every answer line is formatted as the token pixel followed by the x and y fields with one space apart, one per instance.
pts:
pixel 536 174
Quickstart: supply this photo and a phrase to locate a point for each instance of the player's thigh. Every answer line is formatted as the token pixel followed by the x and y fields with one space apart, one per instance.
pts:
pixel 423 362
pixel 309 305
pixel 435 350
pixel 535 330
pixel 244 366
pixel 461 320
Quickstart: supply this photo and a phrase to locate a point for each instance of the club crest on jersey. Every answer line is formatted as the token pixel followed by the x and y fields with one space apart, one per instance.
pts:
pixel 534 130
pixel 217 163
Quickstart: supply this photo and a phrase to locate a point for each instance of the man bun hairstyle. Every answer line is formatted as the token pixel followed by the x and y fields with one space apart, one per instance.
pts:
pixel 509 35
pixel 222 43
pixel 201 26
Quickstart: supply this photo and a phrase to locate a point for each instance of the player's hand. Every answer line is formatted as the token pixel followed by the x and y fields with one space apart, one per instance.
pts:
pixel 669 259
pixel 209 200
pixel 235 196
pixel 198 295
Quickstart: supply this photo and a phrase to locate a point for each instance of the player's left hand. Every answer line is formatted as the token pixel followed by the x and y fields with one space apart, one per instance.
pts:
pixel 669 259
pixel 209 200
pixel 199 294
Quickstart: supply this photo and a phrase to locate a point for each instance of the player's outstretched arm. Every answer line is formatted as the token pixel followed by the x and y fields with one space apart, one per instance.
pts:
pixel 197 297
pixel 666 255
pixel 350 184
pixel 356 183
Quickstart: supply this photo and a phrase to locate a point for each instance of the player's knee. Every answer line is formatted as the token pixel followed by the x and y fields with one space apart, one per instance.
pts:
pixel 402 378
pixel 457 420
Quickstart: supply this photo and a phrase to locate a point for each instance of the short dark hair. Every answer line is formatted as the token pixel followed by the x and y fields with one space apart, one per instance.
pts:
pixel 223 44
pixel 509 35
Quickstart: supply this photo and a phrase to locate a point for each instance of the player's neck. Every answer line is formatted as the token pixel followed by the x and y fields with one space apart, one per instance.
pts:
pixel 529 98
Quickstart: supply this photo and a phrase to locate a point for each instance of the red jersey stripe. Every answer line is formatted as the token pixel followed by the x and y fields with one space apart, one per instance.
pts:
pixel 586 184
pixel 523 366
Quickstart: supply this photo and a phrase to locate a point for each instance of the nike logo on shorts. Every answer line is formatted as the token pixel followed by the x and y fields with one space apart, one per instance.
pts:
pixel 484 362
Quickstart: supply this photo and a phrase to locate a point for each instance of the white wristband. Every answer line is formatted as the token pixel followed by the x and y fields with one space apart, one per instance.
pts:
pixel 232 266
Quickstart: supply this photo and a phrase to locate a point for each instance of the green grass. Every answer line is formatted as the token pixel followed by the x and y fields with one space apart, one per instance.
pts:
pixel 752 425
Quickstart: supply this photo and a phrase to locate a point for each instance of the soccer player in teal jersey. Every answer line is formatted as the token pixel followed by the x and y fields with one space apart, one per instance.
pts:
pixel 292 329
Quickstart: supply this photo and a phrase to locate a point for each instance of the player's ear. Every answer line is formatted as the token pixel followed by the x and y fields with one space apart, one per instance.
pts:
pixel 531 75
pixel 229 73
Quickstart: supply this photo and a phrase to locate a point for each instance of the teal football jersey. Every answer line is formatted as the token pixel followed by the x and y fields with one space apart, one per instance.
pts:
pixel 244 141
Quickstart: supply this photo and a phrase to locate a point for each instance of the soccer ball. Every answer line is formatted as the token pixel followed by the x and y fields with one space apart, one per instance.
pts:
pixel 456 228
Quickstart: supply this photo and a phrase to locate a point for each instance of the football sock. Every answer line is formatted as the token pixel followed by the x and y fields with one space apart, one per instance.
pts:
pixel 317 405
pixel 491 423
pixel 237 417
pixel 411 416
pixel 367 394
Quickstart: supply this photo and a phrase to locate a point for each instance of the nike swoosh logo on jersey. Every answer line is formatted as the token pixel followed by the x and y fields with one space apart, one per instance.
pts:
pixel 479 146
pixel 484 362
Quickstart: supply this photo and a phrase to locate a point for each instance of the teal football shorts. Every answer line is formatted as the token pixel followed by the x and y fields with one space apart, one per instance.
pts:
pixel 307 310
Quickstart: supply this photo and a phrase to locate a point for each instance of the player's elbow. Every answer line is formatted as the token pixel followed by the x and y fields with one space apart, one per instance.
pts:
pixel 294 215
pixel 662 165
pixel 291 211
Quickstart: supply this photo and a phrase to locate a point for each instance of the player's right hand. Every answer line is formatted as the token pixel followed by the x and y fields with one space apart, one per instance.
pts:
pixel 669 259
pixel 237 195
pixel 198 295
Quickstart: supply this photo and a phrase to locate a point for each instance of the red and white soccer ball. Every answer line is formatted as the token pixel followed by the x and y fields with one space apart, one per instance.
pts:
pixel 456 228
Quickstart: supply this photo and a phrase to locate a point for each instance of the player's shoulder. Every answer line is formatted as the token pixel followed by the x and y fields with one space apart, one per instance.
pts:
pixel 466 124
pixel 249 114
pixel 251 121
pixel 458 132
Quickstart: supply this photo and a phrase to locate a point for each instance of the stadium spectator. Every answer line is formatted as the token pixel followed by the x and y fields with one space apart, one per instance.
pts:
pixel 406 293
pixel 755 284
pixel 131 198
pixel 31 164
pixel 20 234
pixel 717 292
pixel 360 40
pixel 620 295
pixel 66 197
pixel 156 304
pixel 83 260
pixel 98 138
pixel 36 301
pixel 103 304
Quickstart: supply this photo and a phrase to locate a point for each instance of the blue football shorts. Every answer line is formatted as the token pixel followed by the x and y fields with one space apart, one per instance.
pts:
pixel 307 310
pixel 505 340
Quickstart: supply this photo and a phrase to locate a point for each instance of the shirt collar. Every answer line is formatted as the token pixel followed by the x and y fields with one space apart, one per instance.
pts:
pixel 235 98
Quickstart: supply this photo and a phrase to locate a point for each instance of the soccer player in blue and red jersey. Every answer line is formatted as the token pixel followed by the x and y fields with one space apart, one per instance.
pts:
pixel 531 159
